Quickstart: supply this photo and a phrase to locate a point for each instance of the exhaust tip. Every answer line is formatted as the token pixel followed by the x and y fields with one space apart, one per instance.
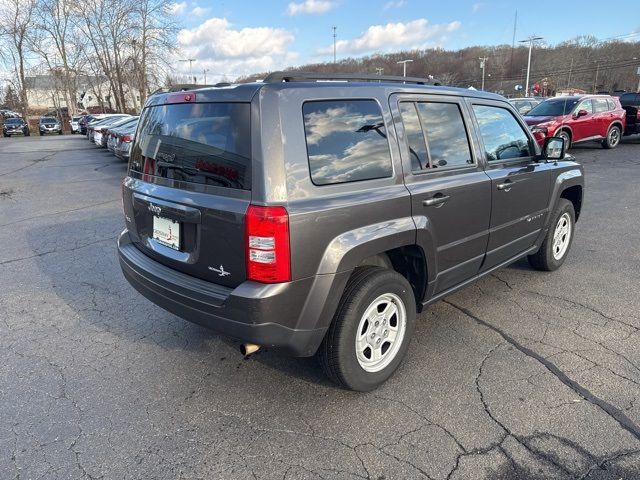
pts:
pixel 247 349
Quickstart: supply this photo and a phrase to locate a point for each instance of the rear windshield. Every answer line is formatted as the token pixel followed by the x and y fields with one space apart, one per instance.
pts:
pixel 553 107
pixel 630 99
pixel 206 143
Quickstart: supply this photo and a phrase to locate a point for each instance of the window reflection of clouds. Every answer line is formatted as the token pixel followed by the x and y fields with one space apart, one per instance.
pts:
pixel 446 134
pixel 346 141
pixel 502 135
pixel 415 137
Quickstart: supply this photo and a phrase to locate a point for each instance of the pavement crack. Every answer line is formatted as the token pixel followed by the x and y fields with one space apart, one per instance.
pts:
pixel 602 463
pixel 586 307
pixel 48 252
pixel 623 420
pixel 62 212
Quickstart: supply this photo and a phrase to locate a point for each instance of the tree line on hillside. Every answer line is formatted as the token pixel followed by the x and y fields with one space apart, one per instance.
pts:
pixel 120 41
pixel 582 63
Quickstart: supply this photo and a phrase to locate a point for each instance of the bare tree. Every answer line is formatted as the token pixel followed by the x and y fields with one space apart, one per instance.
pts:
pixel 152 44
pixel 55 40
pixel 15 24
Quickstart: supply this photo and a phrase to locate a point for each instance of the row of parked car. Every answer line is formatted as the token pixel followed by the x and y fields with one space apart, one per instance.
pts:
pixel 114 131
pixel 17 126
pixel 582 118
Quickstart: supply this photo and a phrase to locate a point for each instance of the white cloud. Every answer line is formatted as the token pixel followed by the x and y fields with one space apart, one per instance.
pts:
pixel 177 8
pixel 224 50
pixel 478 6
pixel 380 38
pixel 394 4
pixel 199 11
pixel 310 7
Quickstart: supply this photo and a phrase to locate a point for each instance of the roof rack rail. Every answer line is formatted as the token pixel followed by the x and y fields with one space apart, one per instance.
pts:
pixel 277 77
pixel 182 87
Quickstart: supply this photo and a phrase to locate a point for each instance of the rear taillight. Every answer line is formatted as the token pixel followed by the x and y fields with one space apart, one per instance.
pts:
pixel 267 244
pixel 126 138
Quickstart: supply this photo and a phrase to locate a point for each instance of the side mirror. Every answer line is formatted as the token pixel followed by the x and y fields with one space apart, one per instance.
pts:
pixel 581 113
pixel 554 148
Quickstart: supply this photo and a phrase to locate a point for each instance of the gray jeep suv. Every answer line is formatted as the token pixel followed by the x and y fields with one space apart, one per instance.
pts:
pixel 320 216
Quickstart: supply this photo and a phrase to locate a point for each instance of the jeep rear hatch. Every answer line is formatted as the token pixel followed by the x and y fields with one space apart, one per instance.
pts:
pixel 190 169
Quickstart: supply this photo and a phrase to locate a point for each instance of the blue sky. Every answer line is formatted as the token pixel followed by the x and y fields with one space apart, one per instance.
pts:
pixel 241 37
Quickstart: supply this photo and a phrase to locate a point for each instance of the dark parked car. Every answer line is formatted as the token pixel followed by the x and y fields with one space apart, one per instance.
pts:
pixel 82 123
pixel 524 105
pixel 631 103
pixel 15 126
pixel 49 125
pixel 321 216
pixel 578 119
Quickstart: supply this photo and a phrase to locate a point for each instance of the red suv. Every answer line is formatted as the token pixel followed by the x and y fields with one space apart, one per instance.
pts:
pixel 578 119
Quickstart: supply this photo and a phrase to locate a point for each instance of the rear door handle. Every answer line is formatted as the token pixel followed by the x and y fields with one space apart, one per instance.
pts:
pixel 437 200
pixel 506 186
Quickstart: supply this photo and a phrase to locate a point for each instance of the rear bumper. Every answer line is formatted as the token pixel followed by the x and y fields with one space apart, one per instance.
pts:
pixel 288 316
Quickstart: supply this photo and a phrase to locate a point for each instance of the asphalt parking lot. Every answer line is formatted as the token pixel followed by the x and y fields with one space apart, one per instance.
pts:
pixel 524 375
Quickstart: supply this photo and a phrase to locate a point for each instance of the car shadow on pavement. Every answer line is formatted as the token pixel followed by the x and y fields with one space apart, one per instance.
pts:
pixel 79 261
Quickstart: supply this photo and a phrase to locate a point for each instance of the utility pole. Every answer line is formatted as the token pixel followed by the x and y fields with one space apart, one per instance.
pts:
pixel 595 81
pixel 569 78
pixel 190 60
pixel 638 79
pixel 204 71
pixel 483 63
pixel 404 66
pixel 530 40
pixel 513 42
pixel 334 44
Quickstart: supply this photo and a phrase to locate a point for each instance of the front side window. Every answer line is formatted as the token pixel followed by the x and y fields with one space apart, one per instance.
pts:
pixel 503 137
pixel 346 141
pixel 585 105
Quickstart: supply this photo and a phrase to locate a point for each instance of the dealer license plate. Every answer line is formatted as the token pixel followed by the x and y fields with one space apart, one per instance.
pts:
pixel 166 232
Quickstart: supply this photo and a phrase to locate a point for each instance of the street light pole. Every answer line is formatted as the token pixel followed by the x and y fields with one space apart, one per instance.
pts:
pixel 404 66
pixel 334 44
pixel 190 60
pixel 483 62
pixel 205 70
pixel 531 39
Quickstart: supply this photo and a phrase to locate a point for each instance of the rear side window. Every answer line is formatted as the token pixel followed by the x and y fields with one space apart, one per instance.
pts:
pixel 600 105
pixel 586 105
pixel 503 137
pixel 206 143
pixel 346 141
pixel 447 140
pixel 442 127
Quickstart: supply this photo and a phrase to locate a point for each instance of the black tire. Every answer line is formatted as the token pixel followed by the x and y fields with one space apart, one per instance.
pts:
pixel 544 258
pixel 613 137
pixel 28 134
pixel 567 139
pixel 337 354
pixel 60 132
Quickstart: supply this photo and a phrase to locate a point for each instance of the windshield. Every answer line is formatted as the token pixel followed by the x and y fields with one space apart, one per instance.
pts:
pixel 48 120
pixel 553 108
pixel 11 121
pixel 207 143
